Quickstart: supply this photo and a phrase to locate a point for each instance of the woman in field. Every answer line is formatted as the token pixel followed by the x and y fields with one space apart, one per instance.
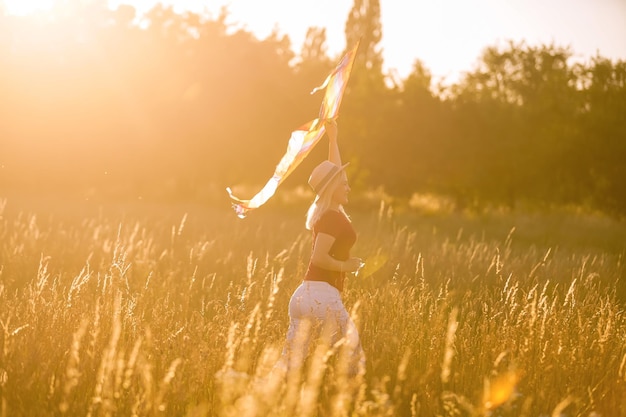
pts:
pixel 316 310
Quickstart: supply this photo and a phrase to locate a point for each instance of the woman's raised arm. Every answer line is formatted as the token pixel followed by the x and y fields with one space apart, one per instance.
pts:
pixel 333 147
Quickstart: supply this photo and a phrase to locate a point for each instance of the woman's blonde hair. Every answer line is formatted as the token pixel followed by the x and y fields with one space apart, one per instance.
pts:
pixel 321 204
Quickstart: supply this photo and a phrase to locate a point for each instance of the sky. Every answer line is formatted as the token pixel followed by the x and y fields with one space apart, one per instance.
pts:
pixel 448 36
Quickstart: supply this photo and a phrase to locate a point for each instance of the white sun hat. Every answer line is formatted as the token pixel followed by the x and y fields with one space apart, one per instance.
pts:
pixel 323 174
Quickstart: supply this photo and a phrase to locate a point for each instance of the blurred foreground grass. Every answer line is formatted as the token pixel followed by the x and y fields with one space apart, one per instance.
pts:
pixel 148 309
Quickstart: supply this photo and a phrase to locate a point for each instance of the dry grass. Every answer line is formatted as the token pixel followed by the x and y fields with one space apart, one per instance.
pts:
pixel 181 311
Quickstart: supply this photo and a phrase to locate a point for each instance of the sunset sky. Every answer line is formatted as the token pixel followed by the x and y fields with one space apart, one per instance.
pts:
pixel 447 35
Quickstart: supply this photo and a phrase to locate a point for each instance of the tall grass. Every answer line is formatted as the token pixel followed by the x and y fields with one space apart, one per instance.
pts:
pixel 182 311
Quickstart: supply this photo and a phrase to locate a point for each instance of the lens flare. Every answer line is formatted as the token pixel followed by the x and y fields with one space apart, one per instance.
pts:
pixel 500 390
pixel 371 265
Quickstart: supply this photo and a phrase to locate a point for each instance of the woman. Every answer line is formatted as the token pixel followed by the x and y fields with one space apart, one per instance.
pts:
pixel 316 309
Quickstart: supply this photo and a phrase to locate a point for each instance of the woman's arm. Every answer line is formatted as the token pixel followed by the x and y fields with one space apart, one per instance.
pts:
pixel 333 146
pixel 321 256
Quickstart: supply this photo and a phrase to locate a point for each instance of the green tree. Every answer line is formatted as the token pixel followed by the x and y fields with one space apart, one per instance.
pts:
pixel 367 98
pixel 517 116
pixel 364 25
pixel 415 121
pixel 603 138
pixel 313 66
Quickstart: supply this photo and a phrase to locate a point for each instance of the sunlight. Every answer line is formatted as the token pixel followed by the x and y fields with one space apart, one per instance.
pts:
pixel 26 7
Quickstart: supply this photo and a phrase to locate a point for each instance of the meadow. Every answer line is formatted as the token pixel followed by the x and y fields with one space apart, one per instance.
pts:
pixel 181 310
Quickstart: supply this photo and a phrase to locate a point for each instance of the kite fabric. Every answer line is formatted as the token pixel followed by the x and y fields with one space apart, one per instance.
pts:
pixel 304 138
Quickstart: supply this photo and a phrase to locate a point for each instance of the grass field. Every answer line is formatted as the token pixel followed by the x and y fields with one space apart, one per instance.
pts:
pixel 173 310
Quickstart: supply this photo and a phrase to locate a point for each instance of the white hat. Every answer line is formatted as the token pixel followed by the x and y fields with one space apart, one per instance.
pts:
pixel 323 174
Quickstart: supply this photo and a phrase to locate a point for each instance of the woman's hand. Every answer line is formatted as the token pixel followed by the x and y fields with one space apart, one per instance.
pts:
pixel 351 265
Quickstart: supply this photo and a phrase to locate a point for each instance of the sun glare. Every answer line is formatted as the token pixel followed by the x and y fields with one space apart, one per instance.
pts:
pixel 26 7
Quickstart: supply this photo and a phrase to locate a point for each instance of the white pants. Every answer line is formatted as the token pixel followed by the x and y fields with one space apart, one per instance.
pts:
pixel 316 311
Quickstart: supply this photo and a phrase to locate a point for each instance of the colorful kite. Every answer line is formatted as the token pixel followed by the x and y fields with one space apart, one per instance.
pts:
pixel 305 137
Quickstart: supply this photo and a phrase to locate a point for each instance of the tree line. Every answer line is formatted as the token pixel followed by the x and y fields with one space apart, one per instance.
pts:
pixel 169 105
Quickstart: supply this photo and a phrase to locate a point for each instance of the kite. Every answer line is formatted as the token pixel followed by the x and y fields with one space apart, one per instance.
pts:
pixel 304 138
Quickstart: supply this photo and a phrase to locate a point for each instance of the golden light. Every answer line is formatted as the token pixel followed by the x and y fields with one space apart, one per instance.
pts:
pixel 26 7
pixel 372 264
pixel 500 390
